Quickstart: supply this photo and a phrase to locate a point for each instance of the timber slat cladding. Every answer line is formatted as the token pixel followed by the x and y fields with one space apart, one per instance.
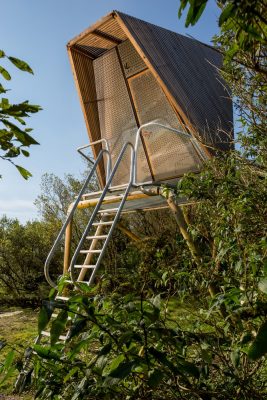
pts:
pixel 99 40
pixel 86 86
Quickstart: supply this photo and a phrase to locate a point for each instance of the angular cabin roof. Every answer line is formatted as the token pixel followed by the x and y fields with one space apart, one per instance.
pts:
pixel 186 69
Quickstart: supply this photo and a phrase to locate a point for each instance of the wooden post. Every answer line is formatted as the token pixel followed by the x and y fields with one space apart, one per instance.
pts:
pixel 127 232
pixel 181 222
pixel 67 248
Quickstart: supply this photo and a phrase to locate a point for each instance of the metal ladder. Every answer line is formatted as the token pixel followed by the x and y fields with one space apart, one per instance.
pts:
pixel 92 236
pixel 93 232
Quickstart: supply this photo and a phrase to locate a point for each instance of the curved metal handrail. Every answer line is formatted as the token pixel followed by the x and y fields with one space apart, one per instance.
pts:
pixel 181 133
pixel 97 207
pixel 103 140
pixel 70 215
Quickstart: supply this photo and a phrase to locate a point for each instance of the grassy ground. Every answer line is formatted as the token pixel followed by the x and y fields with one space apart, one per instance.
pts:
pixel 17 331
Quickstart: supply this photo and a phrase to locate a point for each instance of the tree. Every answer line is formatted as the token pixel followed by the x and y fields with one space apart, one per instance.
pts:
pixel 243 44
pixel 207 338
pixel 23 251
pixel 14 135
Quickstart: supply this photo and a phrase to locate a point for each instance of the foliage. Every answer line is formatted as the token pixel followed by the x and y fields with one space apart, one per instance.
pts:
pixel 158 323
pixel 246 19
pixel 17 331
pixel 23 250
pixel 56 196
pixel 14 136
pixel 131 347
pixel 242 42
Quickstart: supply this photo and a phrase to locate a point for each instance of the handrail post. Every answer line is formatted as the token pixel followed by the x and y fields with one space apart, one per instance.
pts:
pixel 67 247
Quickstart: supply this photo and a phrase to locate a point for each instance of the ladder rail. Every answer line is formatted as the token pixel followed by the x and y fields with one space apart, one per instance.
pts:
pixel 70 215
pixel 117 216
pixel 98 205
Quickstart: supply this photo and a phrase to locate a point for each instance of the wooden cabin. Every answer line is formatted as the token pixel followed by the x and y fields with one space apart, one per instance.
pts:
pixel 155 108
pixel 130 72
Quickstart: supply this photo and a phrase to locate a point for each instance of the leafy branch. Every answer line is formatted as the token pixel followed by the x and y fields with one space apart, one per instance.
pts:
pixel 15 138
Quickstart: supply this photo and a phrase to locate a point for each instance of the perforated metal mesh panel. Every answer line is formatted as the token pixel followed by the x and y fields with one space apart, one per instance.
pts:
pixel 116 117
pixel 170 155
pixel 131 61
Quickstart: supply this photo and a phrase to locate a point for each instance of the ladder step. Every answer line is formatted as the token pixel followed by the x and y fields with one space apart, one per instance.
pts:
pixel 84 266
pixel 62 298
pixel 108 210
pixel 47 334
pixel 97 237
pixel 90 251
pixel 102 223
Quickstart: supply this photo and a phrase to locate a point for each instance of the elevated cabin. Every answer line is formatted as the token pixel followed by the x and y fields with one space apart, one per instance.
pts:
pixel 136 78
pixel 128 73
pixel 155 107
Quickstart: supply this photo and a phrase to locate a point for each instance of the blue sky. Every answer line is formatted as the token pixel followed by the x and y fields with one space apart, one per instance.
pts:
pixel 37 32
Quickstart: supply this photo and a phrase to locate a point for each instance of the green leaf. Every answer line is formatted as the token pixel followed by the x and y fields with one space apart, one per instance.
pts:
pixel 7 375
pixel 72 372
pixel 263 285
pixel 259 346
pixel 5 73
pixel 2 89
pixel 25 153
pixel 22 65
pixel 235 357
pixel 19 119
pixel 123 370
pixel 77 327
pixel 9 359
pixel 46 352
pixel 195 11
pixel 226 13
pixel 45 315
pixel 23 172
pixel 58 326
pixel 155 378
pixel 183 4
pixel 161 357
pixel 2 54
pixel 115 363
pixel 189 368
pixel 77 348
pixel 7 368
pixel 156 301
pixel 105 349
pixel 5 103
pixel 22 136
